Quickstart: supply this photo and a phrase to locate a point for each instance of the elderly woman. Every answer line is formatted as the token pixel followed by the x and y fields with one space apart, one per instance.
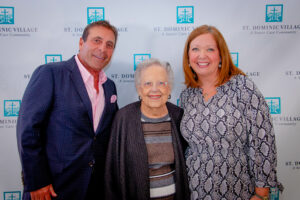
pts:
pixel 145 157
pixel 226 121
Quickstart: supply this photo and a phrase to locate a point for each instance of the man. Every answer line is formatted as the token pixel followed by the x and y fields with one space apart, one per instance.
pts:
pixel 65 119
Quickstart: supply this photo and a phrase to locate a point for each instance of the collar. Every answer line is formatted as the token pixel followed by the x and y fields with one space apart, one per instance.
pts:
pixel 86 75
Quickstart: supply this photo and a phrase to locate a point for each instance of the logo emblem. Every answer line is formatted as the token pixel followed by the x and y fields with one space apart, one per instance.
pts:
pixel 274 104
pixel 274 13
pixel 11 108
pixel 7 15
pixel 49 58
pixel 274 193
pixel 16 195
pixel 235 58
pixel 95 14
pixel 139 58
pixel 185 14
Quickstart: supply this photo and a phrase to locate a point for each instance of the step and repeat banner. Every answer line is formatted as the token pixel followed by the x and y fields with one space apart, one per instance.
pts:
pixel 263 37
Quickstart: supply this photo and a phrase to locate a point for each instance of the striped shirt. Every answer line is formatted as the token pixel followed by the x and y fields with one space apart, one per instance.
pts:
pixel 158 138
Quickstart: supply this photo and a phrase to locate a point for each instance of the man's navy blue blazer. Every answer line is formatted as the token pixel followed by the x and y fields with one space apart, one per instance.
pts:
pixel 56 139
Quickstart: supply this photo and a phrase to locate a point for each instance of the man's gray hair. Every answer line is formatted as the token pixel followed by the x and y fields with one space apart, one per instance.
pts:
pixel 148 63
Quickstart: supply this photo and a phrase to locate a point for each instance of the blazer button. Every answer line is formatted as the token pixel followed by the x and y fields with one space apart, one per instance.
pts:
pixel 95 138
pixel 91 163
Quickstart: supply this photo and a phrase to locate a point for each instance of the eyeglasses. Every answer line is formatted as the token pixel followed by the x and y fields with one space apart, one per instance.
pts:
pixel 159 84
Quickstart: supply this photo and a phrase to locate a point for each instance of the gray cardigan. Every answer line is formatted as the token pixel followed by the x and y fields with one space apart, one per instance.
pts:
pixel 127 172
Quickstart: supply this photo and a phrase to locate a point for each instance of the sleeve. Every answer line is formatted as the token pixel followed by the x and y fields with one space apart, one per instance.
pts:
pixel 182 99
pixel 183 141
pixel 112 168
pixel 261 139
pixel 31 123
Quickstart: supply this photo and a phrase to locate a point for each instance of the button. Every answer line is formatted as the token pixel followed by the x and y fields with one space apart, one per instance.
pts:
pixel 95 138
pixel 91 163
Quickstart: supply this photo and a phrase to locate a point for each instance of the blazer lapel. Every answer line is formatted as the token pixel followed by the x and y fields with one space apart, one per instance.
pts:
pixel 80 87
pixel 107 95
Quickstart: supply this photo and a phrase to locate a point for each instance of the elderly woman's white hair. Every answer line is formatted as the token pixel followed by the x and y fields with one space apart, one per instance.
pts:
pixel 148 63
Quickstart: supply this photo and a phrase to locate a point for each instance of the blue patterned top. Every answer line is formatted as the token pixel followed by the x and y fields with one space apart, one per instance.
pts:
pixel 231 141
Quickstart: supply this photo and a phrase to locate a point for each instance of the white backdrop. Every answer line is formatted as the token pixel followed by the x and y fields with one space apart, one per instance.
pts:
pixel 263 36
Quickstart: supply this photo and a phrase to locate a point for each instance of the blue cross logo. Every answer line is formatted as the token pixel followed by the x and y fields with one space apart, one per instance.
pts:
pixel 11 108
pixel 274 104
pixel 50 58
pixel 185 14
pixel 274 13
pixel 235 58
pixel 16 195
pixel 139 58
pixel 95 14
pixel 274 193
pixel 7 15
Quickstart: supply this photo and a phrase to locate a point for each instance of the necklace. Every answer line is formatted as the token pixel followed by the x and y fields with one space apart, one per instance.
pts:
pixel 208 92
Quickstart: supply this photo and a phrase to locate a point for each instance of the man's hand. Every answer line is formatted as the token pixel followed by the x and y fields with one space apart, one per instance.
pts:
pixel 44 193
